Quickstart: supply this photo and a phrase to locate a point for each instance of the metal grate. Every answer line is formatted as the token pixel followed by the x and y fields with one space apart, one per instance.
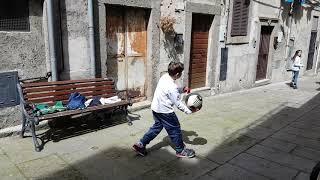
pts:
pixel 14 15
pixel 14 24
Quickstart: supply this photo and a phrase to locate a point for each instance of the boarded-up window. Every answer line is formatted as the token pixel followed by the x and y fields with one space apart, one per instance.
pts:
pixel 240 17
pixel 8 89
pixel 14 15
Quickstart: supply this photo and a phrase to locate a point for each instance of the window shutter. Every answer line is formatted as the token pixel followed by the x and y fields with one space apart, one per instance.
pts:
pixel 236 18
pixel 240 17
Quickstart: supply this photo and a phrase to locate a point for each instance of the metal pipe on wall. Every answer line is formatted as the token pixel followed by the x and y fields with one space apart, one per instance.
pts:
pixel 52 47
pixel 289 31
pixel 91 39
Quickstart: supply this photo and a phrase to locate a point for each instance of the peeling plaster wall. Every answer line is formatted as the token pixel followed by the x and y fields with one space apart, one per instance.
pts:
pixel 181 11
pixel 75 39
pixel 23 52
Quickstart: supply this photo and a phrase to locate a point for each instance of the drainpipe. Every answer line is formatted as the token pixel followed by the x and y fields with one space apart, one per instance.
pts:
pixel 52 48
pixel 91 39
pixel 289 30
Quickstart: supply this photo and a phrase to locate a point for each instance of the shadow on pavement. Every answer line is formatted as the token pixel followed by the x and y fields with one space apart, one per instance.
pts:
pixel 282 144
pixel 64 128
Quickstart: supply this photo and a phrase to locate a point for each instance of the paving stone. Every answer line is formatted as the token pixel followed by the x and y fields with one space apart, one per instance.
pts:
pixel 302 132
pixel 275 125
pixel 231 172
pixel 50 167
pixel 259 132
pixel 180 169
pixel 66 146
pixel 278 144
pixel 302 125
pixel 263 167
pixel 313 122
pixel 302 176
pixel 307 153
pixel 1 152
pixel 8 170
pixel 230 149
pixel 205 177
pixel 20 150
pixel 282 158
pixel 95 165
pixel 302 141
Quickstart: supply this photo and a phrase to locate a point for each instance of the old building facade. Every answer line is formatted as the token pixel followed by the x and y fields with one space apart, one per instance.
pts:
pixel 225 45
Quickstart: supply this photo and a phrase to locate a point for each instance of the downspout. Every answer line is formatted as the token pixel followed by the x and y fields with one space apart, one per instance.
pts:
pixel 226 30
pixel 91 39
pixel 289 30
pixel 52 47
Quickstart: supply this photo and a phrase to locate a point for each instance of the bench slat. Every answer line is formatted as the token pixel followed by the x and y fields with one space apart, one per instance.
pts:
pixel 66 97
pixel 68 92
pixel 107 84
pixel 79 111
pixel 64 82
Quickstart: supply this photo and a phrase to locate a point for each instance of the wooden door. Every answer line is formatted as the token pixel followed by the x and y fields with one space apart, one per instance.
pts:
pixel 199 49
pixel 312 49
pixel 262 65
pixel 127 48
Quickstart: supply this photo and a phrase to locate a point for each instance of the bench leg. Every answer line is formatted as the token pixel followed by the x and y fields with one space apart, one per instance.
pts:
pixel 24 125
pixel 34 137
pixel 128 118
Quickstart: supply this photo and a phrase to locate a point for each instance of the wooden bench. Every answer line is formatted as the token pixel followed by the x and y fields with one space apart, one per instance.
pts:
pixel 50 92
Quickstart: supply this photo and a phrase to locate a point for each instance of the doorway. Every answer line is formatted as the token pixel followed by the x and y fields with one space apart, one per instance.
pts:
pixel 262 65
pixel 199 49
pixel 126 32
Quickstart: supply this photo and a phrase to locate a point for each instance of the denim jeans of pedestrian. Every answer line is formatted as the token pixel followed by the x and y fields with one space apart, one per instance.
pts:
pixel 170 122
pixel 295 75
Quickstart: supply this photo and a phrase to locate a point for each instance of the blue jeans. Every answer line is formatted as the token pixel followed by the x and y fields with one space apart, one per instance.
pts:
pixel 295 75
pixel 171 123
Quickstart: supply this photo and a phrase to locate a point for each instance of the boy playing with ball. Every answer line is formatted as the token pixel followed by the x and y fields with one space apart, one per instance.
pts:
pixel 166 96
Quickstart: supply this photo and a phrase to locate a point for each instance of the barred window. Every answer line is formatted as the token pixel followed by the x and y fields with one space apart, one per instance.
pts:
pixel 14 15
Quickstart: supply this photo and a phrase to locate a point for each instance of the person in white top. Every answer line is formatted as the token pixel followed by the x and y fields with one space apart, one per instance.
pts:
pixel 166 96
pixel 296 66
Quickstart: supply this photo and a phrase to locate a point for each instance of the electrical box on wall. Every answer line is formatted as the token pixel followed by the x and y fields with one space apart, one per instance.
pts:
pixel 222 33
pixel 8 89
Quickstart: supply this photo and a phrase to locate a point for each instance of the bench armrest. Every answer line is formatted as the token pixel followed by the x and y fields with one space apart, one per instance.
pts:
pixel 23 103
pixel 124 94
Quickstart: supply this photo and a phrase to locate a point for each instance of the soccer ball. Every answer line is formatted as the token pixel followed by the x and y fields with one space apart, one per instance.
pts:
pixel 194 101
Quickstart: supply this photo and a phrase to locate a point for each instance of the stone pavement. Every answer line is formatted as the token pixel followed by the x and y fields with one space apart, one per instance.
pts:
pixel 270 132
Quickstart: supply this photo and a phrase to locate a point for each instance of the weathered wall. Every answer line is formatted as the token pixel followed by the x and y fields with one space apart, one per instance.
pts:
pixel 168 52
pixel 23 52
pixel 243 53
pixel 182 11
pixel 75 39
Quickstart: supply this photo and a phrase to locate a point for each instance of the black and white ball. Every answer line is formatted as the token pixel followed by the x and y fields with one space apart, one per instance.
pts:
pixel 194 101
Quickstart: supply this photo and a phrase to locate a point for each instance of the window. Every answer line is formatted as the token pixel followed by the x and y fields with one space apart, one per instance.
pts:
pixel 14 15
pixel 240 17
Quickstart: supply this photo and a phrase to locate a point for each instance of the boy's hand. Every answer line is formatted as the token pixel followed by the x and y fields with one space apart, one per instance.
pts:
pixel 186 90
pixel 193 109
